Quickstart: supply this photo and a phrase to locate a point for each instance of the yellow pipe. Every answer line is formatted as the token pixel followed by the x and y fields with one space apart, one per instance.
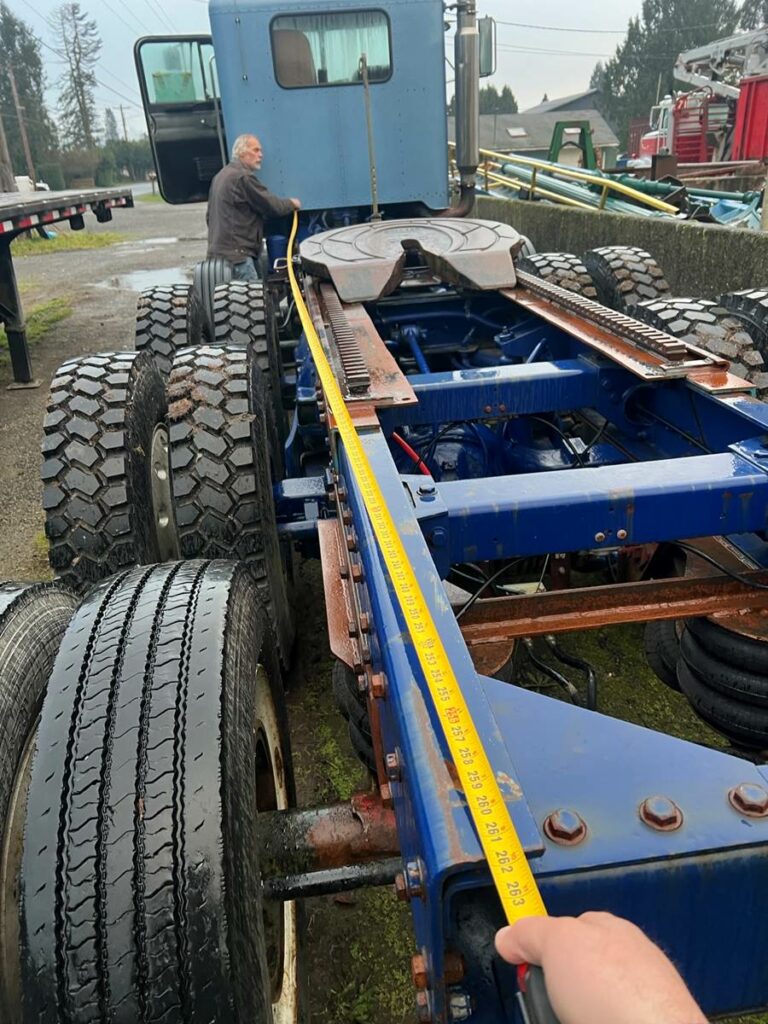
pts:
pixel 518 184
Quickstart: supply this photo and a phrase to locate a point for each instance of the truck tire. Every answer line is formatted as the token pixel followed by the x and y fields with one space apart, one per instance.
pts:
pixel 661 643
pixel 560 268
pixel 743 724
pixel 711 327
pixel 242 316
pixel 222 487
pixel 207 275
pixel 141 893
pixel 751 307
pixel 33 618
pixel 354 708
pixel 625 275
pixel 161 323
pixel 106 492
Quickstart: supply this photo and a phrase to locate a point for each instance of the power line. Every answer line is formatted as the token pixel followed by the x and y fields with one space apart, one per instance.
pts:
pixel 588 31
pixel 560 53
pixel 155 7
pixel 142 27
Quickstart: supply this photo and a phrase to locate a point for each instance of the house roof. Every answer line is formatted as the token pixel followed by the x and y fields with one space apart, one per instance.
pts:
pixel 561 101
pixel 519 133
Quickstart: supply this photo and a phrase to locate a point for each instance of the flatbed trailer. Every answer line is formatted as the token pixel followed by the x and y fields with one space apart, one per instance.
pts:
pixel 21 212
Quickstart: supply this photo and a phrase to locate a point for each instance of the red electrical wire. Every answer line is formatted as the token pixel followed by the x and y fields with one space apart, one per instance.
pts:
pixel 411 453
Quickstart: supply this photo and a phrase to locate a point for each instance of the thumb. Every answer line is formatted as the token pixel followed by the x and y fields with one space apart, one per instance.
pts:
pixel 523 941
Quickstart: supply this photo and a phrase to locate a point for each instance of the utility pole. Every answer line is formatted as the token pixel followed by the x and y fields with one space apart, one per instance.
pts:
pixel 125 130
pixel 22 127
pixel 7 181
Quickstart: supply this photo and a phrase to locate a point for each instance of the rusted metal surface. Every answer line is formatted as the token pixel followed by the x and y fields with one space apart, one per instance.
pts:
pixel 338 601
pixel 387 384
pixel 497 618
pixel 711 376
pixel 368 261
pixel 341 835
pixel 751 619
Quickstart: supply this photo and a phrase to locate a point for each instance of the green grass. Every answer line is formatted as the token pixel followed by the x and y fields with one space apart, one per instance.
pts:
pixel 39 321
pixel 149 197
pixel 65 242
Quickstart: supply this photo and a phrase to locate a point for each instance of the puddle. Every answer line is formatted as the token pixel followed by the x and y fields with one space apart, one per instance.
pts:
pixel 151 241
pixel 137 280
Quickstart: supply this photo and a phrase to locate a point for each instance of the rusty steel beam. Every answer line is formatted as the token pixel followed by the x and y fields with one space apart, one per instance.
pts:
pixel 299 842
pixel 499 618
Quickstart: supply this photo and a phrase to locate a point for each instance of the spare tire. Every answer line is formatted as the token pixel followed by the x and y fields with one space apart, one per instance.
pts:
pixel 163 735
pixel 161 323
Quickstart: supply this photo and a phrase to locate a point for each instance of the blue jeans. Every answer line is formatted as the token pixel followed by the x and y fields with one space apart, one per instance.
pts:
pixel 245 271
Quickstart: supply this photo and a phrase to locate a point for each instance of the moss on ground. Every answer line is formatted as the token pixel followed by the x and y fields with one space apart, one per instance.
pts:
pixel 149 197
pixel 40 320
pixel 66 241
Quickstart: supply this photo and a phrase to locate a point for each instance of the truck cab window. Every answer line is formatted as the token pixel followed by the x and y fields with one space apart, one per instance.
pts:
pixel 178 71
pixel 324 49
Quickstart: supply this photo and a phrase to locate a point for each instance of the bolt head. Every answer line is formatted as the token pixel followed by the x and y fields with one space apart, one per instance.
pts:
pixel 378 686
pixel 751 799
pixel 401 889
pixel 621 534
pixel 423 1008
pixel 599 537
pixel 565 827
pixel 459 1005
pixel 661 813
pixel 426 490
pixel 414 879
pixel 392 762
pixel 419 971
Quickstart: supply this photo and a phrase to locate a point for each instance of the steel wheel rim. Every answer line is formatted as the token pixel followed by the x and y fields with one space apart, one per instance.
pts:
pixel 162 496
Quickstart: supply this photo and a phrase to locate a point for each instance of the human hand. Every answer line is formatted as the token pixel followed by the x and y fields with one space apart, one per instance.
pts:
pixel 600 969
pixel 296 204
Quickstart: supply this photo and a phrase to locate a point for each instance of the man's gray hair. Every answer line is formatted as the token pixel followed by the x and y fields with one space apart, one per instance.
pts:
pixel 242 143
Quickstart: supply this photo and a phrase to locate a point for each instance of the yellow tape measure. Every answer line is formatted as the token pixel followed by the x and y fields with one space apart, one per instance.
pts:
pixel 509 866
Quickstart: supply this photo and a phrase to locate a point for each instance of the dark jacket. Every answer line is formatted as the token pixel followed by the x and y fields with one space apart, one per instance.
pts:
pixel 237 206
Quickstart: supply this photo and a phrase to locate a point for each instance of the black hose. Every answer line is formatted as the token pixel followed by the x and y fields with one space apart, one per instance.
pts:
pixel 542 666
pixel 579 663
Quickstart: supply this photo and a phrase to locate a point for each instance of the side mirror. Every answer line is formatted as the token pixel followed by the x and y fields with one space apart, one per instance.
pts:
pixel 487 31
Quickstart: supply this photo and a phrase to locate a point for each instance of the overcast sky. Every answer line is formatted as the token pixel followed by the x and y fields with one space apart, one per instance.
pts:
pixel 531 60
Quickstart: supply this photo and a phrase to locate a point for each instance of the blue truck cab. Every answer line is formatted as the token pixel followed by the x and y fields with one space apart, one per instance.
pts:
pixel 289 72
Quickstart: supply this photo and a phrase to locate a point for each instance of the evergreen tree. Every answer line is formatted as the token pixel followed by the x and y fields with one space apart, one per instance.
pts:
pixel 643 64
pixel 21 49
pixel 111 134
pixel 491 101
pixel 545 98
pixel 597 81
pixel 753 14
pixel 80 45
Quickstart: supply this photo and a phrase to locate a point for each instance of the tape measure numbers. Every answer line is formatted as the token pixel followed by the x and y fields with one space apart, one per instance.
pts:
pixel 509 866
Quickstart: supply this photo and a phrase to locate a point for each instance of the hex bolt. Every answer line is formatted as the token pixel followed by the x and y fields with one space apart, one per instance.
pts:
pixel 426 490
pixel 459 1005
pixel 565 827
pixel 419 972
pixel 392 763
pixel 385 795
pixel 357 572
pixel 351 541
pixel 401 889
pixel 453 967
pixel 378 686
pixel 661 813
pixel 599 537
pixel 414 879
pixel 322 417
pixel 751 799
pixel 342 493
pixel 352 628
pixel 365 622
pixel 487 408
pixel 346 517
pixel 621 534
pixel 423 1008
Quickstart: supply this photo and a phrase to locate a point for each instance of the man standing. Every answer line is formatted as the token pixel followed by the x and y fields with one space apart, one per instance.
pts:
pixel 237 205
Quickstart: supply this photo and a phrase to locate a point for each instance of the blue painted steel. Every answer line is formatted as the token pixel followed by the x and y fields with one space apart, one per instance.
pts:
pixel 497 392
pixel 315 138
pixel 568 510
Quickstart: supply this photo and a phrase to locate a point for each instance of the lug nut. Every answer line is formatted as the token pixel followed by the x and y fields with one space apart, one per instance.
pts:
pixel 661 813
pixel 751 799
pixel 565 827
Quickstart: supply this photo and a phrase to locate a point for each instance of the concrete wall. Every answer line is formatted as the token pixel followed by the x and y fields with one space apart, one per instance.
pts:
pixel 701 260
